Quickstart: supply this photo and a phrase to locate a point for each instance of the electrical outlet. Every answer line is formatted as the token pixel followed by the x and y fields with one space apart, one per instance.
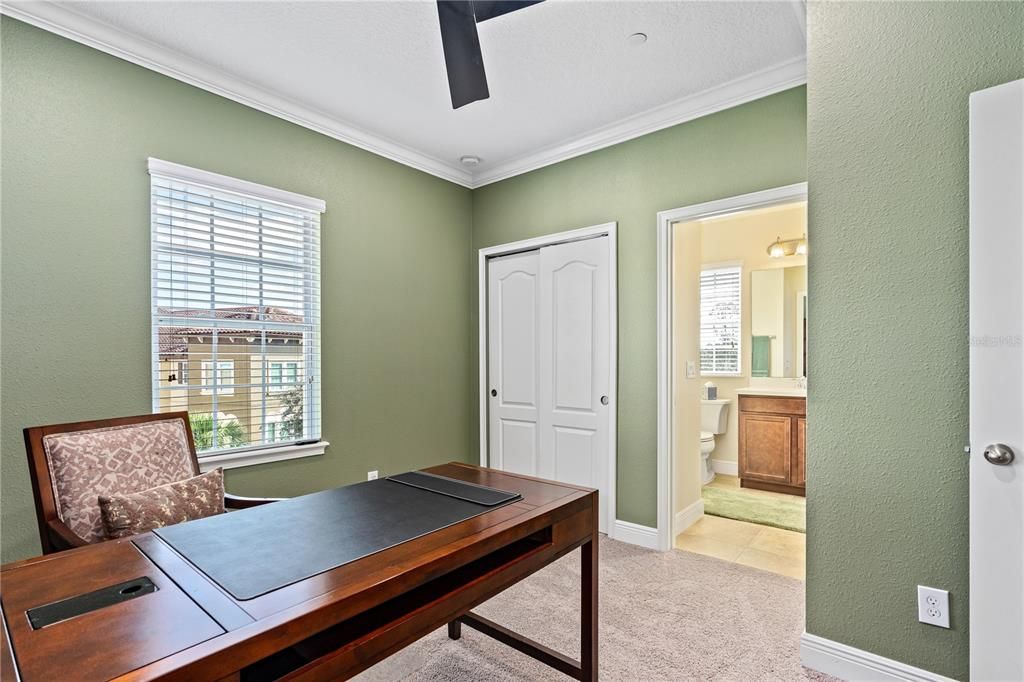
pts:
pixel 371 475
pixel 933 606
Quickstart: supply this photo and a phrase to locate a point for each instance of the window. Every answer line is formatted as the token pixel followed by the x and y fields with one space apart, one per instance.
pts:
pixel 182 376
pixel 276 428
pixel 720 320
pixel 283 375
pixel 222 380
pixel 236 308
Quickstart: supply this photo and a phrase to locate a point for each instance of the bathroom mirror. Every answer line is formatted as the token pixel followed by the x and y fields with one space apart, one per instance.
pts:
pixel 778 322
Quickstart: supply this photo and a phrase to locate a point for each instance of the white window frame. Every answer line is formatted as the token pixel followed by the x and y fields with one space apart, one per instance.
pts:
pixel 728 265
pixel 259 454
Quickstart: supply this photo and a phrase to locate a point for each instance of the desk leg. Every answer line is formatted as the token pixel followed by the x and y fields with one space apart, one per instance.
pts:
pixel 588 610
pixel 586 668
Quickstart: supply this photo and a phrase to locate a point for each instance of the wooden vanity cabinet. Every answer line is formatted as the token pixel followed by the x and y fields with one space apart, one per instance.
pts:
pixel 773 436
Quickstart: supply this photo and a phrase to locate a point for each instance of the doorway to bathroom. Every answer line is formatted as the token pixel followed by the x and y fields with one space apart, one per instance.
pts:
pixel 732 287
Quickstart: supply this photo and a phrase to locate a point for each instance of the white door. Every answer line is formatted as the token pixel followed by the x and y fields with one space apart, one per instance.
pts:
pixel 513 291
pixel 549 340
pixel 574 342
pixel 997 383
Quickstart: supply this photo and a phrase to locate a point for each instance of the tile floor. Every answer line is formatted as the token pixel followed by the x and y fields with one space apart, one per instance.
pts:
pixel 769 549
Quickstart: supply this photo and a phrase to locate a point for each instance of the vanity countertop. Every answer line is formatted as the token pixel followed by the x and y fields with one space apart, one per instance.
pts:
pixel 783 391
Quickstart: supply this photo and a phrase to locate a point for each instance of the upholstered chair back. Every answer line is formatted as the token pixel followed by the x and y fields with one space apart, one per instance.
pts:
pixel 113 460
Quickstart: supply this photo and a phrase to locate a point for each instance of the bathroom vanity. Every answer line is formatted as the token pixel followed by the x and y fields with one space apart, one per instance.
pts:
pixel 773 410
pixel 772 439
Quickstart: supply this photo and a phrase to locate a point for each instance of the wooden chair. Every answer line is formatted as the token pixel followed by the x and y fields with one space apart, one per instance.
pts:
pixel 73 464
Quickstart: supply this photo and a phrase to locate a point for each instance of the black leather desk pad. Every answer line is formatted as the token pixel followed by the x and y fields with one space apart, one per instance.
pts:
pixel 461 490
pixel 258 550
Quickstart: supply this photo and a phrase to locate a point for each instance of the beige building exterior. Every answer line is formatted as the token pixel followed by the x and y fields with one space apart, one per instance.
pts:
pixel 242 376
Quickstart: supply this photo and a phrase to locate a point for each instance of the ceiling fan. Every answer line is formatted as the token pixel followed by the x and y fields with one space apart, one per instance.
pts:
pixel 466 78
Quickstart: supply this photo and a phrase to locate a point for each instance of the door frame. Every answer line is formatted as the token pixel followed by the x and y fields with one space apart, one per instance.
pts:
pixel 666 368
pixel 609 230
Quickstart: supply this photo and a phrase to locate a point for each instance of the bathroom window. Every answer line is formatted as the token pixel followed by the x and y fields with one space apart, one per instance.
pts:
pixel 720 320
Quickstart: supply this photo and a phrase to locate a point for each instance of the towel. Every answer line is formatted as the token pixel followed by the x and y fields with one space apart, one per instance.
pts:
pixel 761 356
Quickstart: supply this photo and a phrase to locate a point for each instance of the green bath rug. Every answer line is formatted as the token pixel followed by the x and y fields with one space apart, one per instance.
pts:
pixel 788 512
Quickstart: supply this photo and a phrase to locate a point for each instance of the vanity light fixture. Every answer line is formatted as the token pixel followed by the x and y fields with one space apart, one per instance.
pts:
pixel 788 247
pixel 801 246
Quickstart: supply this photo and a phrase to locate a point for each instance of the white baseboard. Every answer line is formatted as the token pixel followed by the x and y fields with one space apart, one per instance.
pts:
pixel 848 663
pixel 635 534
pixel 687 517
pixel 724 466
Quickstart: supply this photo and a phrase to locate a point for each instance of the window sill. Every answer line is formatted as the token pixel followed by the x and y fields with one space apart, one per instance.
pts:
pixel 248 458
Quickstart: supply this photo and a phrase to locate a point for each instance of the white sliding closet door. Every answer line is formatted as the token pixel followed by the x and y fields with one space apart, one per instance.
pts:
pixel 513 292
pixel 549 343
pixel 574 346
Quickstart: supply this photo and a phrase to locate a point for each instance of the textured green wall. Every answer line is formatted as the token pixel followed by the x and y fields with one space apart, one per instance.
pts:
pixel 888 172
pixel 77 128
pixel 748 148
pixel 887 163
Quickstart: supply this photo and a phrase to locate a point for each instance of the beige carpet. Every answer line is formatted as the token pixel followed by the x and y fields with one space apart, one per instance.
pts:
pixel 664 616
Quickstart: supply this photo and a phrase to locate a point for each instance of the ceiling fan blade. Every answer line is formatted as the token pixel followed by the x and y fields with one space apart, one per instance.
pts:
pixel 466 78
pixel 488 9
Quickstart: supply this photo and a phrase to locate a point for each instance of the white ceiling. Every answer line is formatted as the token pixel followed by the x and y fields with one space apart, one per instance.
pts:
pixel 562 76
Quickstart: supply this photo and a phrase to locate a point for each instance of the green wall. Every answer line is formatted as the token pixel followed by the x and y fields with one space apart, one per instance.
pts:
pixel 748 148
pixel 886 115
pixel 887 163
pixel 77 128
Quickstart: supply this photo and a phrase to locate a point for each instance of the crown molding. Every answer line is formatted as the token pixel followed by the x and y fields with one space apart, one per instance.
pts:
pixel 730 94
pixel 99 35
pixel 106 38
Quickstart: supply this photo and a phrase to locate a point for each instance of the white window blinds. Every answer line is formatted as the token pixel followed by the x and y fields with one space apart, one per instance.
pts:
pixel 236 308
pixel 720 320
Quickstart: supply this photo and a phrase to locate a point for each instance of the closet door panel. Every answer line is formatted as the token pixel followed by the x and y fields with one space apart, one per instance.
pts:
pixel 513 291
pixel 574 347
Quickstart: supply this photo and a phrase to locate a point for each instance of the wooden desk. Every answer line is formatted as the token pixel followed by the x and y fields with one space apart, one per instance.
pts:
pixel 327 627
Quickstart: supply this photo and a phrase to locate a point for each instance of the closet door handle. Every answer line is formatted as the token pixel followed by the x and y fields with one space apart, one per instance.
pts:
pixel 494 393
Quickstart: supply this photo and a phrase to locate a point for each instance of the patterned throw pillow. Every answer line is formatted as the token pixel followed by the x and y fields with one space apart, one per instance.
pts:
pixel 164 505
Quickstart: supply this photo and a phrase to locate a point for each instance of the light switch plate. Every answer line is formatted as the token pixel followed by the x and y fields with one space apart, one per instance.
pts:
pixel 933 606
pixel 691 369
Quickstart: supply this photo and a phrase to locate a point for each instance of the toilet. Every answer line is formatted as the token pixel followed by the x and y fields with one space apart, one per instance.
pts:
pixel 714 418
